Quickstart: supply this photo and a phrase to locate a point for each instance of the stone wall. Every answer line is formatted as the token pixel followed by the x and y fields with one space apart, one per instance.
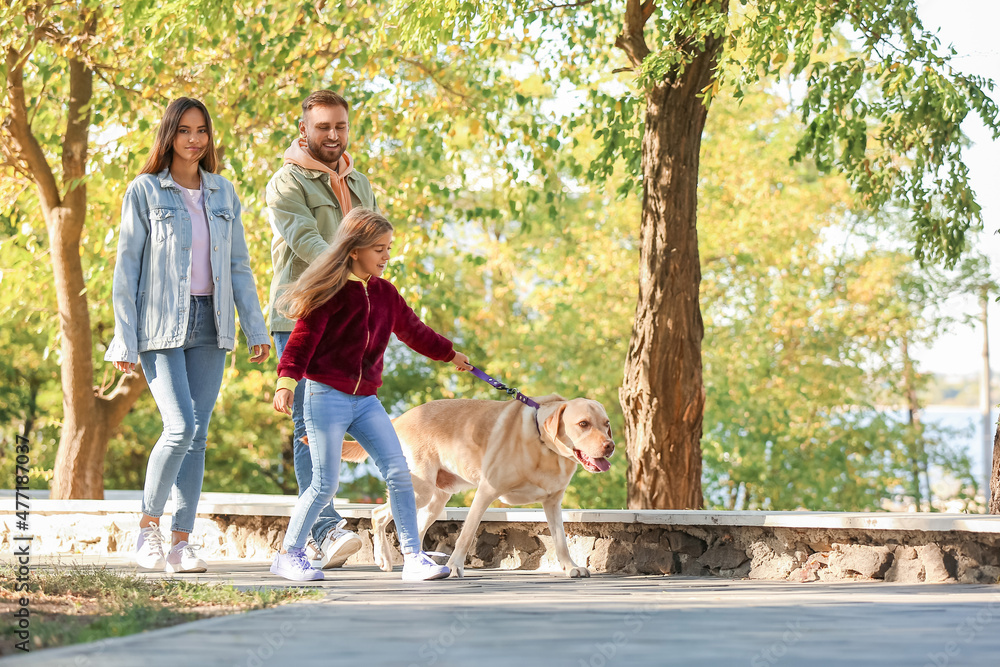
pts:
pixel 803 555
pixel 733 551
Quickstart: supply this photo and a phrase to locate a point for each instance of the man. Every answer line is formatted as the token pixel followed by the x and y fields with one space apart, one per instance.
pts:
pixel 306 200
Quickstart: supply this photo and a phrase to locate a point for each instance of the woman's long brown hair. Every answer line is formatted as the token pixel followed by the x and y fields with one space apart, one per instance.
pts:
pixel 361 228
pixel 162 153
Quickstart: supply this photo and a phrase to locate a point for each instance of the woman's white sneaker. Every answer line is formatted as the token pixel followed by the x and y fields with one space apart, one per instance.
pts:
pixel 149 548
pixel 421 567
pixel 182 558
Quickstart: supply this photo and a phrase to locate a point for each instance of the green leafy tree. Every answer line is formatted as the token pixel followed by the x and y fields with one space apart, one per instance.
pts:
pixel 811 307
pixel 887 117
pixel 49 145
pixel 83 86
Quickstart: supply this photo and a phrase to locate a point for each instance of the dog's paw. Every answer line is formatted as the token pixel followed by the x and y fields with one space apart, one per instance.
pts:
pixel 457 571
pixel 578 572
pixel 383 562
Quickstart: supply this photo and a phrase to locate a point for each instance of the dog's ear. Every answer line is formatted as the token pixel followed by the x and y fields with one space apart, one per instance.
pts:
pixel 551 426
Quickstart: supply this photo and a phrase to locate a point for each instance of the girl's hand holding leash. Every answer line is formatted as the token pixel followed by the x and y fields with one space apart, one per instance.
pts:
pixel 260 353
pixel 283 399
pixel 461 362
pixel 125 367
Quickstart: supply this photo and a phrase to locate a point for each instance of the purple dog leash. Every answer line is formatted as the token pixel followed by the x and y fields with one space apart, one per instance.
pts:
pixel 511 391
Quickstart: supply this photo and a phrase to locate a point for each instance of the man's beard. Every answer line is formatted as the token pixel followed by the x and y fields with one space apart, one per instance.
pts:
pixel 331 157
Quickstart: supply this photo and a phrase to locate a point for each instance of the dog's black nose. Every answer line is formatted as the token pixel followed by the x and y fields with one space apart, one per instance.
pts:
pixel 609 448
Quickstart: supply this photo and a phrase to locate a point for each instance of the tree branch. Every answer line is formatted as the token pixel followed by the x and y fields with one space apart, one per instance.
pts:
pixel 120 401
pixel 74 154
pixel 10 159
pixel 99 70
pixel 549 7
pixel 25 144
pixel 81 88
pixel 647 10
pixel 631 39
pixel 434 77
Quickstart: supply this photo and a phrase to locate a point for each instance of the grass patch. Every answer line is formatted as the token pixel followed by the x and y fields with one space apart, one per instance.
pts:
pixel 75 604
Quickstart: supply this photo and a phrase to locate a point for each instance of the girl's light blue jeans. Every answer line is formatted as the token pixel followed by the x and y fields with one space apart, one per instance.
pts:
pixel 328 516
pixel 329 414
pixel 185 384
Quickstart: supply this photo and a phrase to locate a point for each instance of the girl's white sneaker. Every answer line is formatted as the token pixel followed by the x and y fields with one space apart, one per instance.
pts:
pixel 313 550
pixel 421 567
pixel 294 565
pixel 149 548
pixel 182 558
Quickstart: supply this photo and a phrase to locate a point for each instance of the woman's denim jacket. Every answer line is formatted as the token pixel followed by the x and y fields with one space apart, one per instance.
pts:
pixel 152 281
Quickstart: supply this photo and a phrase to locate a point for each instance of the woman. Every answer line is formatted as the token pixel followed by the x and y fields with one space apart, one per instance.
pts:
pixel 182 267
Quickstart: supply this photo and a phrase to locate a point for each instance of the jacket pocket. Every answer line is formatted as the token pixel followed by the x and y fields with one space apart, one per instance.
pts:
pixel 161 222
pixel 316 201
pixel 224 217
pixel 296 267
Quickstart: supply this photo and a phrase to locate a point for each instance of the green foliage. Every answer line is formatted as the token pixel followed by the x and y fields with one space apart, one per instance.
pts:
pixel 807 323
pixel 516 217
pixel 30 401
pixel 887 115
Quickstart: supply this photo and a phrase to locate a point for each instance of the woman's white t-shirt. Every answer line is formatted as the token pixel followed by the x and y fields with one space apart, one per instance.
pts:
pixel 201 243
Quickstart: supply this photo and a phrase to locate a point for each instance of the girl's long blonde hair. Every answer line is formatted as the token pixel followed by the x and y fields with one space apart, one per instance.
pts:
pixel 361 228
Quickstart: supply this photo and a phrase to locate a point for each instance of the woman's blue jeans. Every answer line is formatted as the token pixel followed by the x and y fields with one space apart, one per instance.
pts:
pixel 185 384
pixel 329 414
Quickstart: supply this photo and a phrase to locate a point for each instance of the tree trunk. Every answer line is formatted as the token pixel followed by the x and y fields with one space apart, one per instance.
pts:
pixel 662 395
pixel 994 489
pixel 985 402
pixel 917 454
pixel 89 419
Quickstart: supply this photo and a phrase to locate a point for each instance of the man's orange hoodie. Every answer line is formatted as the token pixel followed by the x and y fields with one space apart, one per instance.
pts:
pixel 298 154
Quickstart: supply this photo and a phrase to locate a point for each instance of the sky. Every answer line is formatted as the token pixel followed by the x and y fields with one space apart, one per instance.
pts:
pixel 971 27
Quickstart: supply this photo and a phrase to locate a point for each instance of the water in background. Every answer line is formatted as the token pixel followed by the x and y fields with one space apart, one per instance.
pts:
pixel 969 436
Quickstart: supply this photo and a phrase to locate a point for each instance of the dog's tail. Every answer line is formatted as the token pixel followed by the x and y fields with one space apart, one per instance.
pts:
pixel 353 452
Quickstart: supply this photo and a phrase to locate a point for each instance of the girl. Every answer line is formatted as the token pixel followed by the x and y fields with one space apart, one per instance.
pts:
pixel 182 267
pixel 345 314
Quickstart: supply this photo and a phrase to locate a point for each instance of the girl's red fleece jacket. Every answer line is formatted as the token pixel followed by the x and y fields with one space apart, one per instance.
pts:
pixel 341 343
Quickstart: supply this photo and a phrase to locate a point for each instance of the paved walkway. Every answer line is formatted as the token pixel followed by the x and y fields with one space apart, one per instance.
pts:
pixel 524 619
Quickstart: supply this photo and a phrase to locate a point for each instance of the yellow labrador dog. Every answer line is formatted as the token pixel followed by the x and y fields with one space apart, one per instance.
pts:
pixel 504 450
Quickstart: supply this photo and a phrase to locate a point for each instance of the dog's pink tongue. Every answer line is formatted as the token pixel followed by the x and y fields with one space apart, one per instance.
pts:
pixel 602 464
